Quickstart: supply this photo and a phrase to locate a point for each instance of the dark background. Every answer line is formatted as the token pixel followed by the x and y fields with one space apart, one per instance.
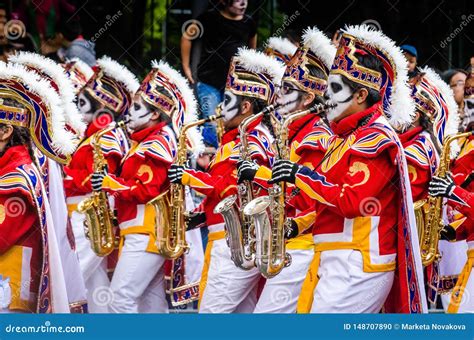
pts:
pixel 149 29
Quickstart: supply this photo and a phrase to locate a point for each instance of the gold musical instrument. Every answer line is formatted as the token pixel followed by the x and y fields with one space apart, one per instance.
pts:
pixel 219 124
pixel 100 218
pixel 268 212
pixel 240 233
pixel 169 207
pixel 428 213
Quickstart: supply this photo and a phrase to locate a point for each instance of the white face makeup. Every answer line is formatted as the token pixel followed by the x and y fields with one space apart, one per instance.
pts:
pixel 289 98
pixel 85 107
pixel 468 118
pixel 339 94
pixel 230 108
pixel 138 115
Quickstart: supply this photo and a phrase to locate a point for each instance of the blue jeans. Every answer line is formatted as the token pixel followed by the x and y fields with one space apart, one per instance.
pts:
pixel 209 97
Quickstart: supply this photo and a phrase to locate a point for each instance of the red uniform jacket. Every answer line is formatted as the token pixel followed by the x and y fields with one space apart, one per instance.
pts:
pixel 143 175
pixel 356 187
pixel 20 231
pixel 80 168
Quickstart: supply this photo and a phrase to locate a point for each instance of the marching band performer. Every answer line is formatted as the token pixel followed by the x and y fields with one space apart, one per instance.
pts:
pixel 52 173
pixel 106 97
pixel 31 271
pixel 78 72
pixel 304 84
pixel 250 87
pixel 364 242
pixel 162 104
pixel 458 188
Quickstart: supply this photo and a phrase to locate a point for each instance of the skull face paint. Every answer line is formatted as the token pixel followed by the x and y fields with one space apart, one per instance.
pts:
pixel 138 115
pixel 468 118
pixel 85 107
pixel 289 98
pixel 230 107
pixel 339 94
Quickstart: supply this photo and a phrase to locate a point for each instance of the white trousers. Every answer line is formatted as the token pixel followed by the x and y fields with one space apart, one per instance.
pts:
pixel 93 267
pixel 344 287
pixel 280 294
pixel 138 283
pixel 229 289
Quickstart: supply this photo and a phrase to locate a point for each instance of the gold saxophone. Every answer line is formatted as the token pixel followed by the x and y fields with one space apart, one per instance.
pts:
pixel 428 212
pixel 240 232
pixel 100 218
pixel 268 212
pixel 170 209
pixel 219 124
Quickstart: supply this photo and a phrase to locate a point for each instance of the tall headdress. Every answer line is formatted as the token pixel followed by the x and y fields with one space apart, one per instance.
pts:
pixel 38 108
pixel 254 74
pixel 391 82
pixel 113 85
pixel 167 90
pixel 280 48
pixel 78 73
pixel 435 99
pixel 317 51
pixel 55 74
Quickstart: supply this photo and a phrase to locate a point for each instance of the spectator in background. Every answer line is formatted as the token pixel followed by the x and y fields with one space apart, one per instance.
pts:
pixel 411 54
pixel 74 44
pixel 456 78
pixel 222 31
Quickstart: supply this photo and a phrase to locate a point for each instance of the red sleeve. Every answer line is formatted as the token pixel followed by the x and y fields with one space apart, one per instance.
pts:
pixel 463 201
pixel 366 177
pixel 419 180
pixel 146 184
pixel 17 217
pixel 78 180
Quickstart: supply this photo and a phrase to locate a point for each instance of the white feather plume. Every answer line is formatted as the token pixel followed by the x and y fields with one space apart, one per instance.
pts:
pixel 63 140
pixel 320 45
pixel 85 69
pixel 193 134
pixel 401 110
pixel 120 73
pixel 282 45
pixel 452 125
pixel 259 62
pixel 65 86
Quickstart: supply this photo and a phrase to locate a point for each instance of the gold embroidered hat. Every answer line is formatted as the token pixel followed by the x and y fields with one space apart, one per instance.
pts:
pixel 112 85
pixel 316 51
pixel 254 74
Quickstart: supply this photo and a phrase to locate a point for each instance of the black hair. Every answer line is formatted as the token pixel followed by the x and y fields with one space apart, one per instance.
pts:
pixel 371 63
pixel 449 74
pixel 70 29
pixel 163 117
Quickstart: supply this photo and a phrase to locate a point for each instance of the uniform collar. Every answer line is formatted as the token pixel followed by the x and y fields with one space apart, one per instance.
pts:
pixel 144 133
pixel 411 134
pixel 350 123
pixel 298 124
pixel 98 124
pixel 231 135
